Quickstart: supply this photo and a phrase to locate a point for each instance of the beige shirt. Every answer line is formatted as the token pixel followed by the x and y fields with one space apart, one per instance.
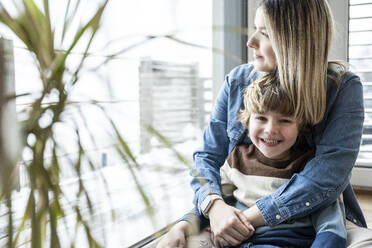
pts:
pixel 249 175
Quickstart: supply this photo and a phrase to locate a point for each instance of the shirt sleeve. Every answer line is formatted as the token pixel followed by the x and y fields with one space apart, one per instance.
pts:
pixel 337 139
pixel 211 156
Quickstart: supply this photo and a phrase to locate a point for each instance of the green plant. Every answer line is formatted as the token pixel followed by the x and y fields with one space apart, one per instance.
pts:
pixel 45 209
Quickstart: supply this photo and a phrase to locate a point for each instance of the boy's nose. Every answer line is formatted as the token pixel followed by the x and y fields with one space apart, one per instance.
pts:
pixel 271 128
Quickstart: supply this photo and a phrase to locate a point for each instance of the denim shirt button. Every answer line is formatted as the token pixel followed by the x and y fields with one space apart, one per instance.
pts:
pixel 307 204
pixel 355 221
pixel 278 217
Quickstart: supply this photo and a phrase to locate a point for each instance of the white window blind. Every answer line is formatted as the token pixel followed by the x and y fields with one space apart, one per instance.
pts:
pixel 172 97
pixel 360 59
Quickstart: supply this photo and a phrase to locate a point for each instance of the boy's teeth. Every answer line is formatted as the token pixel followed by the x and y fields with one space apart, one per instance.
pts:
pixel 269 141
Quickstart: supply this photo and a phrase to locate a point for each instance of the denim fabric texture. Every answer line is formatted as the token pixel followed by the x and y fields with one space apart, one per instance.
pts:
pixel 336 140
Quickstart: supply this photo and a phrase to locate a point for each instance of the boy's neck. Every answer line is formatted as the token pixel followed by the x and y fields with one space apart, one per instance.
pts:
pixel 281 157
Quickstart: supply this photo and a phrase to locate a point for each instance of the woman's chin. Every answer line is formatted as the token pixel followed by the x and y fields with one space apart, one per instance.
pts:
pixel 259 66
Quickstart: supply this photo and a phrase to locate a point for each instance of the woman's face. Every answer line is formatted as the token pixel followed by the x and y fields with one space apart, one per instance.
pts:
pixel 263 53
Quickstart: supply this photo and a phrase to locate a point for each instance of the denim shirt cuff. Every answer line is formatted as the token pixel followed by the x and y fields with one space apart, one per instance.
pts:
pixel 207 189
pixel 272 210
pixel 198 222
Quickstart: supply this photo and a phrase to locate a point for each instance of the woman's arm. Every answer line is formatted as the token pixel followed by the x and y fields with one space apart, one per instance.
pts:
pixel 337 139
pixel 217 138
pixel 211 156
pixel 229 225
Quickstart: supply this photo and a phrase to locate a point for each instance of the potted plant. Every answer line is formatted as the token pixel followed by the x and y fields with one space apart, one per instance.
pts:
pixel 42 216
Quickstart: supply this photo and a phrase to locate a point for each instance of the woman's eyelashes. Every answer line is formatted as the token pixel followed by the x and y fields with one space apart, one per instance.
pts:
pixel 264 34
pixel 262 31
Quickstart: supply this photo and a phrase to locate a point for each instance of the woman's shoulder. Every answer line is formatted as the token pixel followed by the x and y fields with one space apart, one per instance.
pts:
pixel 339 77
pixel 339 72
pixel 242 74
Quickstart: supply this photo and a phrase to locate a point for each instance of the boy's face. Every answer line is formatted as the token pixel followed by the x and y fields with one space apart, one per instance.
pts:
pixel 273 133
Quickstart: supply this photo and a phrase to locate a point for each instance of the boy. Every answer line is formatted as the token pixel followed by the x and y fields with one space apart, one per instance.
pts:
pixel 255 170
pixel 277 152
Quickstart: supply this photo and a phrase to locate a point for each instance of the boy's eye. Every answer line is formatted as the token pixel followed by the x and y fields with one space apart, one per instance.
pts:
pixel 286 121
pixel 261 118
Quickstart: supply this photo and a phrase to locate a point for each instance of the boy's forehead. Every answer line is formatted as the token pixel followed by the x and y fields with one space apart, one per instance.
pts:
pixel 273 113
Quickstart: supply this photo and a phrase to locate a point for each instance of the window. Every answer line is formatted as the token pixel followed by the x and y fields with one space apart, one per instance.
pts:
pixel 360 59
pixel 169 31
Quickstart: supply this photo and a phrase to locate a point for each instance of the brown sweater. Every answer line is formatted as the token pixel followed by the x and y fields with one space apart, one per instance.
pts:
pixel 249 175
pixel 250 161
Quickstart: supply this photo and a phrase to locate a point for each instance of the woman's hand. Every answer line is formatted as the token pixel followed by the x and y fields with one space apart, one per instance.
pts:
pixel 229 226
pixel 176 237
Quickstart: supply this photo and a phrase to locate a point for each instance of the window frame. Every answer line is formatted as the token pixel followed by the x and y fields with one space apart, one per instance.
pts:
pixel 362 171
pixel 230 19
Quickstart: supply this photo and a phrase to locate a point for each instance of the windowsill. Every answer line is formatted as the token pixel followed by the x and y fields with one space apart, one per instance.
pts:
pixel 365 201
pixel 361 178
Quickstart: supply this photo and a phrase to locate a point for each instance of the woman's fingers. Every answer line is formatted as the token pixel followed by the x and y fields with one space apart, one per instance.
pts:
pixel 220 242
pixel 231 240
pixel 234 233
pixel 228 224
pixel 245 221
pixel 230 234
pixel 239 227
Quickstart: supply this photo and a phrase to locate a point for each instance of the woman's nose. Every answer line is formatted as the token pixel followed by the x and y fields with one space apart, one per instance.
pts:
pixel 252 42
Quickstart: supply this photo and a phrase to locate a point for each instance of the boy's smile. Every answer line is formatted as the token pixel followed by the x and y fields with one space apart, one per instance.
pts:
pixel 273 134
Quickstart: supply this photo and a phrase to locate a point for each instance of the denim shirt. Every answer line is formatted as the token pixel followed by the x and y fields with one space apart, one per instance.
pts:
pixel 336 140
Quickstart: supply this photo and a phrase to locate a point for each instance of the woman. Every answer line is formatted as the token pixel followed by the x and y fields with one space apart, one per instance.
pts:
pixel 292 39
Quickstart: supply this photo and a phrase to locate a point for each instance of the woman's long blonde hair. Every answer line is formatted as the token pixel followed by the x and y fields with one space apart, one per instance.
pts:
pixel 301 32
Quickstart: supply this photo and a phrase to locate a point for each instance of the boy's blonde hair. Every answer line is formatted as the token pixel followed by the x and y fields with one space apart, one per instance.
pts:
pixel 265 95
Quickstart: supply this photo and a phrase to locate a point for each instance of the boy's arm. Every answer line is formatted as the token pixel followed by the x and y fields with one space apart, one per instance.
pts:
pixel 254 216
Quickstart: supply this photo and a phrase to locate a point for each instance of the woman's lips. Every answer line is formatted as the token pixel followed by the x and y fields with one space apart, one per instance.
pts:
pixel 257 56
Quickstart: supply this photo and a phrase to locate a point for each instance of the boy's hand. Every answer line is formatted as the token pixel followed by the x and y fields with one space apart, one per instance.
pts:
pixel 254 216
pixel 176 237
pixel 229 226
